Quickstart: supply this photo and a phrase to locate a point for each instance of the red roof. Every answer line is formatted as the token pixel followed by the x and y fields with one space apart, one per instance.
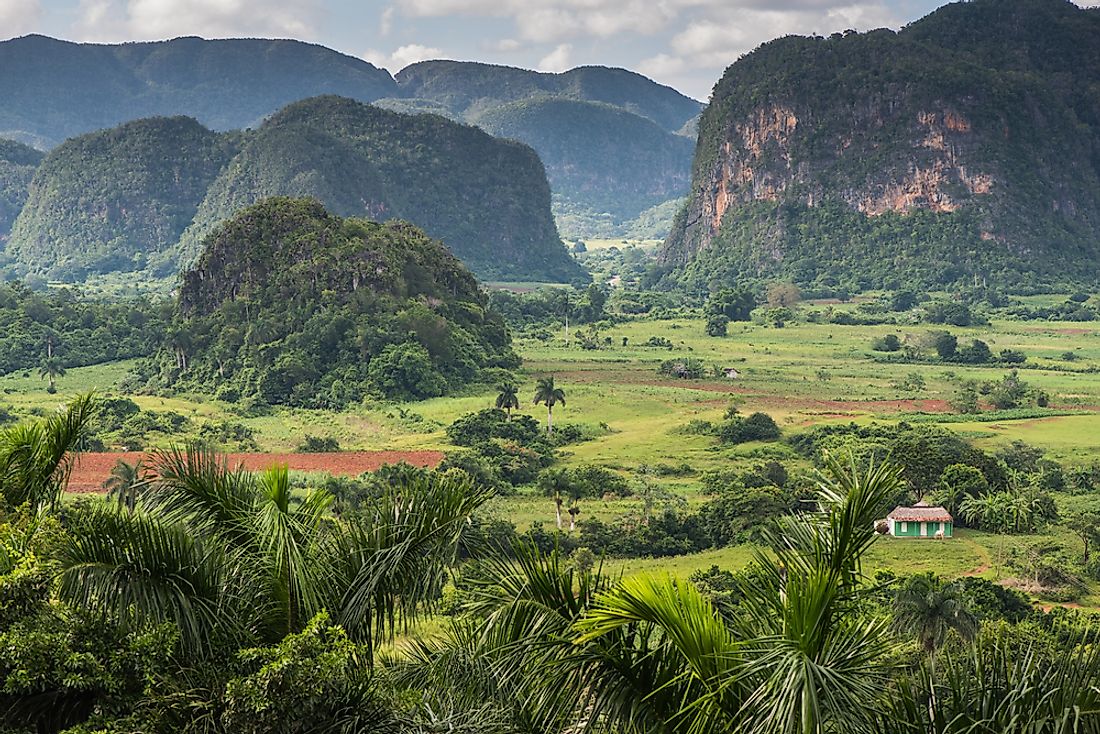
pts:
pixel 920 514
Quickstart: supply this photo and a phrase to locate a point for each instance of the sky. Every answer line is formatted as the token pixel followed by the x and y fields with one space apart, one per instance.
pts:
pixel 685 44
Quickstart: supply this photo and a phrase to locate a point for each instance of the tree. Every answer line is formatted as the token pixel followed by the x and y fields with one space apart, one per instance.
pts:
pixel 927 608
pixel 51 369
pixel 717 324
pixel 945 344
pixel 124 482
pixel 783 295
pixel 736 304
pixel 556 483
pixel 36 458
pixel 507 398
pixel 546 392
pixel 1086 526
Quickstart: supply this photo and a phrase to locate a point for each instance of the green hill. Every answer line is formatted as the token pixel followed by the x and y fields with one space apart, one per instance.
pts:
pixel 599 158
pixel 468 89
pixel 965 147
pixel 117 200
pixel 608 137
pixel 17 164
pixel 53 90
pixel 290 304
pixel 143 196
pixel 486 198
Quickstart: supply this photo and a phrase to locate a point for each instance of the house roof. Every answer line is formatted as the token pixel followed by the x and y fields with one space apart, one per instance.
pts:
pixel 920 514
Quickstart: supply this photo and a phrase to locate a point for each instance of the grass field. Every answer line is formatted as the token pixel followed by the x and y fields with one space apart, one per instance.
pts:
pixel 802 375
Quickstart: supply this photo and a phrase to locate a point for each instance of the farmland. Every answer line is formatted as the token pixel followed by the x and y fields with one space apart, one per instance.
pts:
pixel 803 374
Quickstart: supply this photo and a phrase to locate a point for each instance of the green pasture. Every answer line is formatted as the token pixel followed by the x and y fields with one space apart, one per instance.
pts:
pixel 802 375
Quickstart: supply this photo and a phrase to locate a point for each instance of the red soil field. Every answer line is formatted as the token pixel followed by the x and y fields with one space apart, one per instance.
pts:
pixel 92 469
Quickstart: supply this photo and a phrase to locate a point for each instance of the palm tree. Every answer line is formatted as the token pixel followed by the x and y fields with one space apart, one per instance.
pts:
pixel 51 369
pixel 545 392
pixel 507 398
pixel 930 610
pixel 555 483
pixel 230 556
pixel 36 458
pixel 653 654
pixel 124 483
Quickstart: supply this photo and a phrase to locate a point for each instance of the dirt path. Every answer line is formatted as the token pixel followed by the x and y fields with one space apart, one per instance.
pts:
pixel 92 469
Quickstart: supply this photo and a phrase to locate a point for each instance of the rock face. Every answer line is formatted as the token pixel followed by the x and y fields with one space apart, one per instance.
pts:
pixel 918 157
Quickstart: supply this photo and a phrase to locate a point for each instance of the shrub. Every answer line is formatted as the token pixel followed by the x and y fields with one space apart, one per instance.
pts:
pixel 318 445
pixel 683 368
pixel 755 427
pixel 888 343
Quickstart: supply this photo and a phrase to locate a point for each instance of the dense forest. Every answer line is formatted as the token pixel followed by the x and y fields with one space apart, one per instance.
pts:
pixel 17 165
pixel 289 304
pixel 862 158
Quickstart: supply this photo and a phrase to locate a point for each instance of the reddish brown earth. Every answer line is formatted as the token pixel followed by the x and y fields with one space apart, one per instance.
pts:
pixel 92 469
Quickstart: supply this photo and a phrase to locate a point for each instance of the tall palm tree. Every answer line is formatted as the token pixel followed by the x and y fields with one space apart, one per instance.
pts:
pixel 507 398
pixel 36 458
pixel 124 483
pixel 545 392
pixel 51 369
pixel 929 609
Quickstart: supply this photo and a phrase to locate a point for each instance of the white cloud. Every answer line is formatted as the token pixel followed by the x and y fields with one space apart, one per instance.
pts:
pixel 385 22
pixel 556 60
pixel 510 45
pixel 402 57
pixel 103 20
pixel 18 17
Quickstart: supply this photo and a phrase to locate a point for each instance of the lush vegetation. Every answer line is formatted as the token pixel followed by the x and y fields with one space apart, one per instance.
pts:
pixel 117 200
pixel 215 600
pixel 892 159
pixel 289 304
pixel 142 196
pixel 17 164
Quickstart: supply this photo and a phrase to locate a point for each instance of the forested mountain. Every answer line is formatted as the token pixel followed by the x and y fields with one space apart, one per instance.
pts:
pixel 17 164
pixel 118 199
pixel 601 160
pixel 468 89
pixel 51 90
pixel 291 304
pixel 966 146
pixel 486 198
pixel 608 137
pixel 143 196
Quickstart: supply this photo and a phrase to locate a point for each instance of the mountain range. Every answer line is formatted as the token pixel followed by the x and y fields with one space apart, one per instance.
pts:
pixel 53 90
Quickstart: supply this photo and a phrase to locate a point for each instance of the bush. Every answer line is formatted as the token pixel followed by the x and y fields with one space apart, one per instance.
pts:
pixel 888 343
pixel 319 445
pixel 683 368
pixel 755 427
pixel 405 371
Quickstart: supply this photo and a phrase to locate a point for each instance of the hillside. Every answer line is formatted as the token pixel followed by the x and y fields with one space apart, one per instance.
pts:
pixel 335 308
pixel 17 165
pixel 964 147
pixel 599 158
pixel 468 89
pixel 117 200
pixel 144 195
pixel 486 198
pixel 53 90
pixel 609 138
